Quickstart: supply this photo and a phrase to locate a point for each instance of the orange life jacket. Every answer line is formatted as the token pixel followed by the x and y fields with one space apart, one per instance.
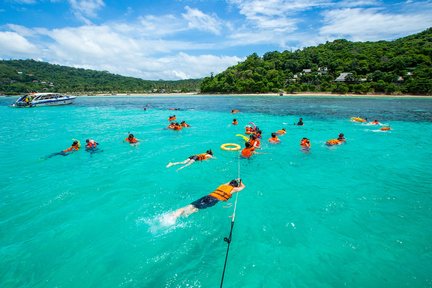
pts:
pixel 172 118
pixel 202 156
pixel 71 148
pixel 280 132
pixel 274 140
pixel 91 144
pixel 247 152
pixel 131 140
pixel 234 122
pixel 305 143
pixel 223 192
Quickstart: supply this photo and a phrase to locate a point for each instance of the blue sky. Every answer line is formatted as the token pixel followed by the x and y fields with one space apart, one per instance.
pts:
pixel 180 39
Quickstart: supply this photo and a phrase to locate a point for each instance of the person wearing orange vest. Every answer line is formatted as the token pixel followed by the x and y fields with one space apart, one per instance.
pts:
pixel 131 139
pixel 234 122
pixel 172 118
pixel 223 193
pixel 305 144
pixel 274 139
pixel 248 151
pixel 281 132
pixel 74 147
pixel 184 124
pixel 198 157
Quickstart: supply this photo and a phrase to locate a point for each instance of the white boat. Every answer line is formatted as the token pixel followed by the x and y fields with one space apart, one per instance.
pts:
pixel 43 99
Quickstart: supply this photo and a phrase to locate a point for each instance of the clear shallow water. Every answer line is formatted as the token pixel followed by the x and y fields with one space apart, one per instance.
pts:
pixel 355 215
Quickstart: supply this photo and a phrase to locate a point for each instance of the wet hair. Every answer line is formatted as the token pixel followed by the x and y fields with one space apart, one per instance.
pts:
pixel 273 134
pixel 131 136
pixel 182 122
pixel 87 140
pixel 248 145
pixel 234 183
pixel 234 119
pixel 75 142
pixel 210 152
pixel 341 135
pixel 283 129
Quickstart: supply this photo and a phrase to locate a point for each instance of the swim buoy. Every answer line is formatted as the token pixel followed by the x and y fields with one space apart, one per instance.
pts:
pixel 230 147
pixel 386 128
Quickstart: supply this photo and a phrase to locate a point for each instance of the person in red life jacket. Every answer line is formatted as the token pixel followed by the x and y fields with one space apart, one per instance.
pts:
pixel 172 118
pixel 274 139
pixel 90 144
pixel 234 122
pixel 305 144
pixel 254 141
pixel 281 131
pixel 248 151
pixel 374 122
pixel 223 193
pixel 131 139
pixel 184 124
pixel 74 147
pixel 175 126
pixel 198 157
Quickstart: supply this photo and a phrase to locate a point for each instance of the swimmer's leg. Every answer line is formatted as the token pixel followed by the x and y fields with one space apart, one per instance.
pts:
pixel 190 162
pixel 177 163
pixel 185 211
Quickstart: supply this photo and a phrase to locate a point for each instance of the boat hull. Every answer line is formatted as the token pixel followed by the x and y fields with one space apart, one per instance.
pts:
pixel 48 102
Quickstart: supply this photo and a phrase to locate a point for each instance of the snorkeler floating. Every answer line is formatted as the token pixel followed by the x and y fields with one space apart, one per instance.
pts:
pixel 340 140
pixel 222 193
pixel 305 144
pixel 131 139
pixel 76 145
pixel 274 139
pixel 199 157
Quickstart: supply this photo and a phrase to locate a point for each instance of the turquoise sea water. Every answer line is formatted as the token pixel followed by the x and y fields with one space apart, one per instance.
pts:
pixel 356 215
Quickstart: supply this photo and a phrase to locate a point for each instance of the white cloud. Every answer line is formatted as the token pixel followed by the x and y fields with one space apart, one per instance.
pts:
pixel 357 3
pixel 372 24
pixel 196 19
pixel 84 9
pixel 14 45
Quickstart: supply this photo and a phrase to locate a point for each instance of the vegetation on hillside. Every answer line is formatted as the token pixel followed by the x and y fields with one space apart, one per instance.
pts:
pixel 22 76
pixel 392 67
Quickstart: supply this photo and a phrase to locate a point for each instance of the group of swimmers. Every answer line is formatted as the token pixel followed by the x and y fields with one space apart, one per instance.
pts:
pixel 175 125
pixel 91 146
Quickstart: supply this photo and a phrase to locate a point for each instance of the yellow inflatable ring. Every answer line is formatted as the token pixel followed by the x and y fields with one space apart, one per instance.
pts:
pixel 230 147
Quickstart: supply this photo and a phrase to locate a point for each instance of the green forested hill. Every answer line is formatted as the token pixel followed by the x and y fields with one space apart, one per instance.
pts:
pixel 22 76
pixel 400 66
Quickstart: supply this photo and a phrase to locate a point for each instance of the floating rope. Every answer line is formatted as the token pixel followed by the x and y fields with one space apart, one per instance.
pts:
pixel 229 238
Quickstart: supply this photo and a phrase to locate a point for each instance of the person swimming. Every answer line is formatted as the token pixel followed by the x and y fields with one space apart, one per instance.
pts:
pixel 374 122
pixel 305 144
pixel 233 111
pixel 300 122
pixel 198 157
pixel 184 124
pixel 254 141
pixel 341 137
pixel 281 131
pixel 131 139
pixel 248 151
pixel 234 122
pixel 172 118
pixel 74 147
pixel 274 139
pixel 223 193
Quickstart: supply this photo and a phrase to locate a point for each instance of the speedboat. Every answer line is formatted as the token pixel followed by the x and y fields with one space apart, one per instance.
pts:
pixel 43 99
